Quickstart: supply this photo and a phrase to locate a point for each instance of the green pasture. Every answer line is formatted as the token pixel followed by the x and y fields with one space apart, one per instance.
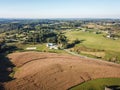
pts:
pixel 90 40
pixel 99 84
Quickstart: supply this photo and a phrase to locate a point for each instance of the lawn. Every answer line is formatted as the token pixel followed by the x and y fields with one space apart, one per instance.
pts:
pixel 98 84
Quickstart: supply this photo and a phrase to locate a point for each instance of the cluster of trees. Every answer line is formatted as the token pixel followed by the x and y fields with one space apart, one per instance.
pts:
pixel 7 25
pixel 4 48
pixel 2 44
pixel 60 24
pixel 37 36
pixel 46 36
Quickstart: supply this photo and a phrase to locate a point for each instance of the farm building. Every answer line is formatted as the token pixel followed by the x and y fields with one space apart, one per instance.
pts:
pixel 52 46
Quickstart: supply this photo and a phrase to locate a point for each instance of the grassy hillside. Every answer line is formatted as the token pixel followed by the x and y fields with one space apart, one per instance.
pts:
pixel 97 42
pixel 98 84
pixel 94 40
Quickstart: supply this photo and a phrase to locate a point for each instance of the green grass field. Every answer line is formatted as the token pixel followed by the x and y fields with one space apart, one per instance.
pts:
pixel 96 41
pixel 92 40
pixel 98 84
pixel 39 48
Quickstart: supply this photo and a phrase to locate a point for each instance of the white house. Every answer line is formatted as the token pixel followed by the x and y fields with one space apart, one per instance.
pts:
pixel 52 46
pixel 49 44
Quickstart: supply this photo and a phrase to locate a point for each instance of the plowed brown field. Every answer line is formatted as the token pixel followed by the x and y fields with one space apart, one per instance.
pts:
pixel 50 71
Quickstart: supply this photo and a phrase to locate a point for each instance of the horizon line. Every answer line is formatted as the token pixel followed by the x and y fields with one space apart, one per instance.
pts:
pixel 57 18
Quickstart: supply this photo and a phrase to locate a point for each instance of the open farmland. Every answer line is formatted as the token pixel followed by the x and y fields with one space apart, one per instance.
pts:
pixel 58 54
pixel 92 40
pixel 96 44
pixel 48 71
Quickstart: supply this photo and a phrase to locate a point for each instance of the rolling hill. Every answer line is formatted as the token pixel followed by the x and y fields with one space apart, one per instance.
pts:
pixel 51 71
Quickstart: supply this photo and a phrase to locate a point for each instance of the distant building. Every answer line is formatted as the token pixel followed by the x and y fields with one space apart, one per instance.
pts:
pixel 49 44
pixel 108 36
pixel 52 46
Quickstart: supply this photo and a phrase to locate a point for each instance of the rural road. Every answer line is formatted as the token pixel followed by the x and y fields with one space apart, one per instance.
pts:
pixel 73 53
pixel 85 57
pixel 81 56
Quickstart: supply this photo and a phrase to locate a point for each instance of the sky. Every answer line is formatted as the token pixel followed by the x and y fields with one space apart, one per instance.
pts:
pixel 59 8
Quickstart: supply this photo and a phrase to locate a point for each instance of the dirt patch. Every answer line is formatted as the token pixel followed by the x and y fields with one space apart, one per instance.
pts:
pixel 50 71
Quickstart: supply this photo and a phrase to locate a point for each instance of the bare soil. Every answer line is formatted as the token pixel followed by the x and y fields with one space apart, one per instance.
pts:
pixel 50 71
